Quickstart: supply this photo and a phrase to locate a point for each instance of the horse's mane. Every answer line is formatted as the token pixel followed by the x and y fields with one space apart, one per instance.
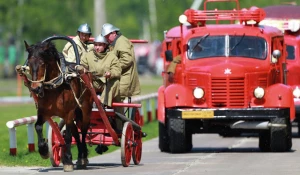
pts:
pixel 44 50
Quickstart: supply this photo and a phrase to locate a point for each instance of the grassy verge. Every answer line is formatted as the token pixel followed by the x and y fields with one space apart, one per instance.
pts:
pixel 24 158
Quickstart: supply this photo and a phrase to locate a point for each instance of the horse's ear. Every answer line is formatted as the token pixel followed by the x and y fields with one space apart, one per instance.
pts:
pixel 26 45
pixel 47 45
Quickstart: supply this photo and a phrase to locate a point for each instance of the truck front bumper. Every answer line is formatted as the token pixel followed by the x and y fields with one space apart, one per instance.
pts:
pixel 228 113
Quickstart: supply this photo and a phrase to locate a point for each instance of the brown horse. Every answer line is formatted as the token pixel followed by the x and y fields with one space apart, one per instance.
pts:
pixel 58 96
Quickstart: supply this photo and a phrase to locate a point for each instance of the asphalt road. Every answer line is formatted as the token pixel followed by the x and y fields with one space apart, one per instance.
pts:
pixel 211 155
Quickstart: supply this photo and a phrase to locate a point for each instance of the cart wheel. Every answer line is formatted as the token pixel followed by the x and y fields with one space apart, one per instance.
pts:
pixel 55 150
pixel 137 149
pixel 126 144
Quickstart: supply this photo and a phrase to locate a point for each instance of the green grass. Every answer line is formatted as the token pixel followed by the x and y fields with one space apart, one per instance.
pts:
pixel 24 158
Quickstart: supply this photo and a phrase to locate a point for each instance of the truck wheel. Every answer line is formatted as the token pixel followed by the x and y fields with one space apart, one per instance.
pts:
pixel 264 140
pixel 280 140
pixel 180 139
pixel 298 125
pixel 188 143
pixel 289 136
pixel 163 138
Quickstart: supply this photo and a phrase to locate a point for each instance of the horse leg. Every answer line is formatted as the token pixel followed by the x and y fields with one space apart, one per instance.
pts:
pixel 42 144
pixel 84 150
pixel 67 157
pixel 86 110
pixel 85 121
pixel 81 160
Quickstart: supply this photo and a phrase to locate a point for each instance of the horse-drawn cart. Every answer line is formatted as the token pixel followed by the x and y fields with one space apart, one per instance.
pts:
pixel 130 139
pixel 99 130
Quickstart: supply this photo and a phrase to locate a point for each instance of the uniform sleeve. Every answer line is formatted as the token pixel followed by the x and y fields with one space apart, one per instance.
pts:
pixel 124 54
pixel 115 67
pixel 66 50
pixel 173 64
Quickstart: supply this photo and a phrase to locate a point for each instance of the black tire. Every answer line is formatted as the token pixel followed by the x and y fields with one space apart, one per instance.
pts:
pixel 189 142
pixel 163 138
pixel 298 126
pixel 264 141
pixel 179 137
pixel 289 136
pixel 280 140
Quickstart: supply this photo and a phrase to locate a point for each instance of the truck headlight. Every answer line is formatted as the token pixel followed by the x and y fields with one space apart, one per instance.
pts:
pixel 198 92
pixel 259 92
pixel 182 19
pixel 293 25
pixel 296 92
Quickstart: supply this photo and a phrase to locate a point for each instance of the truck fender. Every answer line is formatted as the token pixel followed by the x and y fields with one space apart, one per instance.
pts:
pixel 280 95
pixel 161 104
pixel 176 95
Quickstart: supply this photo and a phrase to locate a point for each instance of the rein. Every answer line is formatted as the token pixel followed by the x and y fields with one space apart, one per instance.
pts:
pixel 51 84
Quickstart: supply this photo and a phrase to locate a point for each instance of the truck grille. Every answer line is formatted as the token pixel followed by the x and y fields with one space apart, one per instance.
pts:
pixel 227 92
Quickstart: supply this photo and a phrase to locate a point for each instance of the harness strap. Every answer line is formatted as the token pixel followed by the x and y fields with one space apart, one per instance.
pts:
pixel 77 99
pixel 57 81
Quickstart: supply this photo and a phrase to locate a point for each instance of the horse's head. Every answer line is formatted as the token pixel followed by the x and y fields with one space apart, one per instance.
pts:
pixel 41 57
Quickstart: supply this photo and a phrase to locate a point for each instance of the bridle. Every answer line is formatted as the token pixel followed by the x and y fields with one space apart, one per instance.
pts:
pixel 49 84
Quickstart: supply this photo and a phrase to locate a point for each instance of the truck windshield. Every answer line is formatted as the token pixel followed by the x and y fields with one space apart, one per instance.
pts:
pixel 239 46
pixel 291 52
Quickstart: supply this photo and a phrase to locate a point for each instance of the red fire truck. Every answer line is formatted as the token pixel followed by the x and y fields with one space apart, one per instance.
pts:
pixel 287 19
pixel 232 77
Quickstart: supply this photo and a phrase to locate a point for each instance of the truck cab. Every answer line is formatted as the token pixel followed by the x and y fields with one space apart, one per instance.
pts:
pixel 231 78
pixel 287 19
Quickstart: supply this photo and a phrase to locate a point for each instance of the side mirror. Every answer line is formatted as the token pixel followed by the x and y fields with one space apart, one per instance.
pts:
pixel 275 55
pixel 169 55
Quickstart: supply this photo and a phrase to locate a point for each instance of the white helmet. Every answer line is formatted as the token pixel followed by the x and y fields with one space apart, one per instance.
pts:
pixel 84 28
pixel 100 39
pixel 108 28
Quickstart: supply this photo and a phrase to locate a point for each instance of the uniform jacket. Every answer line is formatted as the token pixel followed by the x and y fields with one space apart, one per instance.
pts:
pixel 173 64
pixel 98 64
pixel 83 49
pixel 129 81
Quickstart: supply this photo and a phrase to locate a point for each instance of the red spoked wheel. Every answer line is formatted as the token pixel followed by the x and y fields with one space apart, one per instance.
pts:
pixel 137 149
pixel 55 150
pixel 126 144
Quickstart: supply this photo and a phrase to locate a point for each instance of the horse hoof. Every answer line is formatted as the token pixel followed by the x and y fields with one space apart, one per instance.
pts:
pixel 81 163
pixel 44 151
pixel 68 168
pixel 45 156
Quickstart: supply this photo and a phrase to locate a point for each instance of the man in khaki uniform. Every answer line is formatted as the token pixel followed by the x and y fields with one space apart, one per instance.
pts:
pixel 83 35
pixel 172 68
pixel 123 49
pixel 106 69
